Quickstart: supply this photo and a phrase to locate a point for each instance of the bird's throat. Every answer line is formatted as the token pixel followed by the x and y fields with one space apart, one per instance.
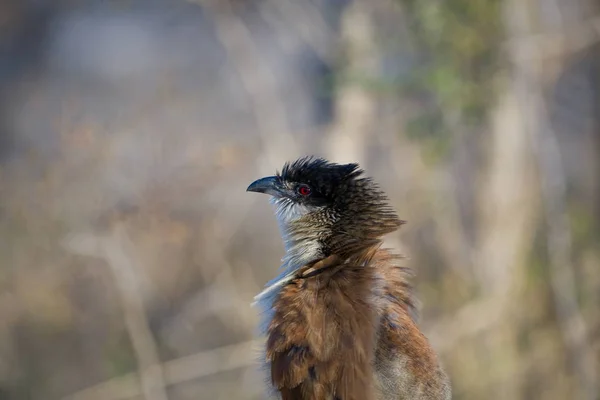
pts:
pixel 302 242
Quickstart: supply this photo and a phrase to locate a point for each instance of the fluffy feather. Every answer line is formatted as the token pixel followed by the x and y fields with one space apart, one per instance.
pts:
pixel 339 318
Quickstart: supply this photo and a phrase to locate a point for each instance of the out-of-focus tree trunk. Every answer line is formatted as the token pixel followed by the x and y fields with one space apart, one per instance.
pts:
pixel 507 224
pixel 355 107
pixel 522 20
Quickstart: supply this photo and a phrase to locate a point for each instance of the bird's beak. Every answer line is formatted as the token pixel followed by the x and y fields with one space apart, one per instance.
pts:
pixel 269 185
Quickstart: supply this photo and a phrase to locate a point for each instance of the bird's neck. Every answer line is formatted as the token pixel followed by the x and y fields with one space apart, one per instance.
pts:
pixel 302 246
pixel 308 236
pixel 302 239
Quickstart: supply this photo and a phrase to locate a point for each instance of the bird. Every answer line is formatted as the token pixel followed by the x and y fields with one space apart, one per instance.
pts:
pixel 340 318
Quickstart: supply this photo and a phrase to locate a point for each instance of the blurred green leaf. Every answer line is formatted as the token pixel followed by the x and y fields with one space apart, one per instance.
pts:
pixel 460 40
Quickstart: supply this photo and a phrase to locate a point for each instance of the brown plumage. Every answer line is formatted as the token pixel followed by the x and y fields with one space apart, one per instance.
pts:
pixel 339 318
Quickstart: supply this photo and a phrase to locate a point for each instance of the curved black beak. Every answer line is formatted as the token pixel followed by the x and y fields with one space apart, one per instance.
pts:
pixel 268 185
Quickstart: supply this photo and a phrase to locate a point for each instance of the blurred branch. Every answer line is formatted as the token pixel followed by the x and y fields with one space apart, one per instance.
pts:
pixel 115 249
pixel 207 302
pixel 304 18
pixel 258 81
pixel 229 217
pixel 183 369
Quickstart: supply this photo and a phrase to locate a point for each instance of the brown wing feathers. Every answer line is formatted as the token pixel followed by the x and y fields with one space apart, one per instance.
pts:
pixel 321 338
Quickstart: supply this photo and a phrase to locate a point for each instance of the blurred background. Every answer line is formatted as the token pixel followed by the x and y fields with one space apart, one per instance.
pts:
pixel 130 129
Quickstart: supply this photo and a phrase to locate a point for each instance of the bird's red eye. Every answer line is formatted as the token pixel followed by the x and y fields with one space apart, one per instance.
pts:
pixel 304 190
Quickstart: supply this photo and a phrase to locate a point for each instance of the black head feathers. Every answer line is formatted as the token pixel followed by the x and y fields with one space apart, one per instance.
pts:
pixel 321 175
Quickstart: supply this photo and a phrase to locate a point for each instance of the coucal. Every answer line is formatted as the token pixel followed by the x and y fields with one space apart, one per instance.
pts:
pixel 340 317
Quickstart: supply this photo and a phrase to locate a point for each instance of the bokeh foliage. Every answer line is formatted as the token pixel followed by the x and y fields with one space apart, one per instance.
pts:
pixel 459 44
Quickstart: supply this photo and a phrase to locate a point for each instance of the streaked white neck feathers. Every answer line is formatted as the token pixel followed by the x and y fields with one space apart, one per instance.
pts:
pixel 299 249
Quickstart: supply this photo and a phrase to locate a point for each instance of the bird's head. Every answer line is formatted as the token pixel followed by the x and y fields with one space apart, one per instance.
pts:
pixel 325 208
